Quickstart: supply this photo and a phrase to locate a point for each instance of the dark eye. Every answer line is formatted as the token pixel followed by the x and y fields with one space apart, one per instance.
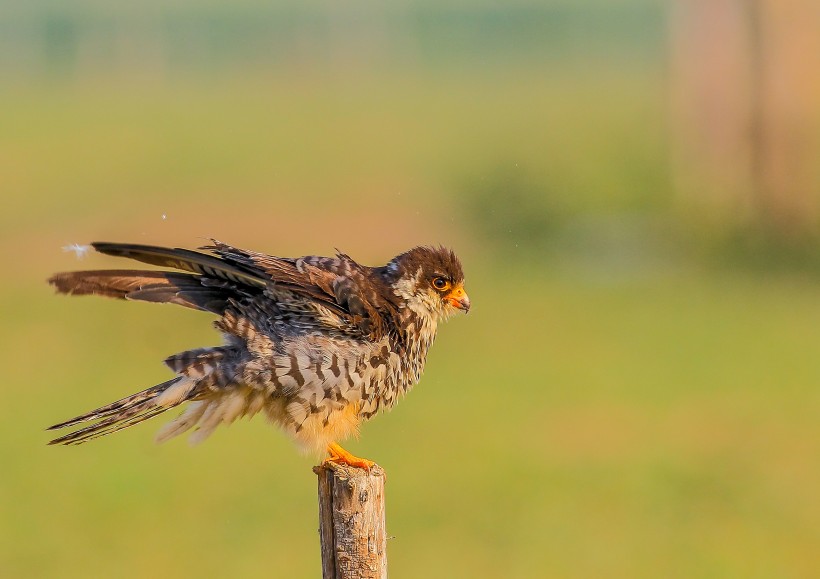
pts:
pixel 440 283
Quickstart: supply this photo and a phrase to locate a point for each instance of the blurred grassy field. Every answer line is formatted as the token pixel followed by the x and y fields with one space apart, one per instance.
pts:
pixel 664 422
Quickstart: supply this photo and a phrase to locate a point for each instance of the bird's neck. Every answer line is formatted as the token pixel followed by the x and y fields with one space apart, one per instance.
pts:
pixel 419 333
pixel 411 341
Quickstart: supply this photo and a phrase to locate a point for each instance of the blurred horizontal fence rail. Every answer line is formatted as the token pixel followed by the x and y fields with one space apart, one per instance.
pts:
pixel 81 39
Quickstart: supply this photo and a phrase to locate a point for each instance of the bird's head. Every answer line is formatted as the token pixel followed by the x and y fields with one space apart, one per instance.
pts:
pixel 429 280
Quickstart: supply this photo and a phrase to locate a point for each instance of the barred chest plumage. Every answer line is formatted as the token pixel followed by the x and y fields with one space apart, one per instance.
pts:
pixel 318 386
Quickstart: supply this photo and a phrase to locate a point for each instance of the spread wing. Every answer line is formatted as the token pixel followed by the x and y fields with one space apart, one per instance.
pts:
pixel 339 284
pixel 209 283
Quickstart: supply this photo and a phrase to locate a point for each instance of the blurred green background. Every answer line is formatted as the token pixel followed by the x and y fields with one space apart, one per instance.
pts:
pixel 635 392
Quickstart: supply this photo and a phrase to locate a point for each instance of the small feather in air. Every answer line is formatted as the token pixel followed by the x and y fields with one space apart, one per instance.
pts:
pixel 79 250
pixel 164 217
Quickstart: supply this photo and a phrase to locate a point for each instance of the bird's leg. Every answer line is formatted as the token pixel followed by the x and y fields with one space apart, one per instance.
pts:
pixel 340 455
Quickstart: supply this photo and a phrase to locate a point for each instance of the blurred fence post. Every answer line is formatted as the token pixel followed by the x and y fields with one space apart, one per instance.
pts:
pixel 352 522
pixel 746 99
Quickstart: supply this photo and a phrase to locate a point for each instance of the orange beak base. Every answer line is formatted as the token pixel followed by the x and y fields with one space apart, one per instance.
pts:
pixel 458 299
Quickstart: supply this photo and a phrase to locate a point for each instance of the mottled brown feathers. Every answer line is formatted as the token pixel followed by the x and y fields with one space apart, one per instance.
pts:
pixel 318 344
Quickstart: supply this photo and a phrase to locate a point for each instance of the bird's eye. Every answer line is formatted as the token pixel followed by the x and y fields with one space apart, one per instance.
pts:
pixel 440 283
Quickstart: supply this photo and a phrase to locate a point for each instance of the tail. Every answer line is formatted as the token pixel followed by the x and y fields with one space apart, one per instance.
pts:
pixel 127 412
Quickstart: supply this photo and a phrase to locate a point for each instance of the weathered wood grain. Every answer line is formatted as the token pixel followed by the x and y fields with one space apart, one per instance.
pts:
pixel 352 522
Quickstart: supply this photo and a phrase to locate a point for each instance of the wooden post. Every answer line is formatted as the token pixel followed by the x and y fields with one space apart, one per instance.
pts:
pixel 351 522
pixel 745 88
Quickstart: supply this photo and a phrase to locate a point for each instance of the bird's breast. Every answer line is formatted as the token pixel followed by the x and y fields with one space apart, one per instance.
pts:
pixel 322 390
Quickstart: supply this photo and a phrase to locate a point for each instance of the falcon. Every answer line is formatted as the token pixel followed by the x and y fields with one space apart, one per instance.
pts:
pixel 318 344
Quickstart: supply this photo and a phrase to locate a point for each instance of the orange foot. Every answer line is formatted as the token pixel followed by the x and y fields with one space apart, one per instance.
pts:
pixel 340 455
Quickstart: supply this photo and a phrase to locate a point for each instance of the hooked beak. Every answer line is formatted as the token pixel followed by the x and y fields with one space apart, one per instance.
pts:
pixel 458 299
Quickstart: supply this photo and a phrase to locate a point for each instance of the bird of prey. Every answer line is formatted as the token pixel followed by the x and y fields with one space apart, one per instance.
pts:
pixel 318 344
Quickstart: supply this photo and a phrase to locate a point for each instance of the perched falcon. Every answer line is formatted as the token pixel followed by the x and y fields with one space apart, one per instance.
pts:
pixel 319 344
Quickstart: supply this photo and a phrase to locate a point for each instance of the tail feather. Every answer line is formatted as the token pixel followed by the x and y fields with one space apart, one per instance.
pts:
pixel 126 411
pixel 184 422
pixel 117 427
pixel 205 415
pixel 119 405
pixel 200 361
pixel 110 425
